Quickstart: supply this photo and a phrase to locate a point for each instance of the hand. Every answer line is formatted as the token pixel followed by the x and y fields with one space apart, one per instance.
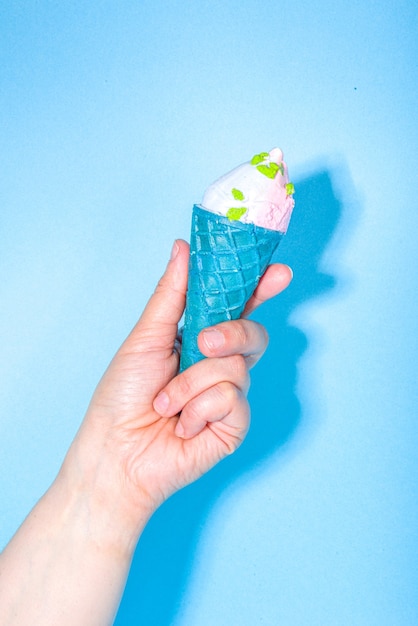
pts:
pixel 148 432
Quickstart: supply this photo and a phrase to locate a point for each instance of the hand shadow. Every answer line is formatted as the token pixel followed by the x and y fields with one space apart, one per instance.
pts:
pixel 164 557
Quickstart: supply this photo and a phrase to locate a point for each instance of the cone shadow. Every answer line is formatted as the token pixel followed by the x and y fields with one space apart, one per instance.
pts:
pixel 164 557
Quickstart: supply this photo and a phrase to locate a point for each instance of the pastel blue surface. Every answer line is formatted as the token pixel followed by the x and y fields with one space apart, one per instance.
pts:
pixel 114 119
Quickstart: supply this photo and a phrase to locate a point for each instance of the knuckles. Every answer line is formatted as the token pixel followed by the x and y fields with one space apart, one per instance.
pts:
pixel 237 369
pixel 195 410
pixel 246 336
pixel 227 395
pixel 185 384
pixel 219 400
pixel 239 335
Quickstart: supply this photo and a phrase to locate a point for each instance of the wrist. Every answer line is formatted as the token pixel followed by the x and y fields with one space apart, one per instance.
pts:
pixel 98 505
pixel 68 562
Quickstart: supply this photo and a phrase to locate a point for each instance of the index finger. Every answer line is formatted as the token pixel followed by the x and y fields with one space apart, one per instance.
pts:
pixel 244 337
pixel 274 280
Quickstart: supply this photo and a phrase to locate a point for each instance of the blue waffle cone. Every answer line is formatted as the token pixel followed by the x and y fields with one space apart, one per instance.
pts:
pixel 227 259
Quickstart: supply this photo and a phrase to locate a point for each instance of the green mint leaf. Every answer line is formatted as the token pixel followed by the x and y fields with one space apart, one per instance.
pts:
pixel 235 213
pixel 290 189
pixel 269 170
pixel 238 195
pixel 258 158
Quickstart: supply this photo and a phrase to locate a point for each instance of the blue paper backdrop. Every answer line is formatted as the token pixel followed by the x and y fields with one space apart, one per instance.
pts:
pixel 115 116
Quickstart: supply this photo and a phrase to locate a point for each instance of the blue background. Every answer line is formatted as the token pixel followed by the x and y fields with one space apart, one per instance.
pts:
pixel 115 116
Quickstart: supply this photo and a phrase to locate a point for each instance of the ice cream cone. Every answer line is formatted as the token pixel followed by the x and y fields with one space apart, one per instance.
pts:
pixel 227 259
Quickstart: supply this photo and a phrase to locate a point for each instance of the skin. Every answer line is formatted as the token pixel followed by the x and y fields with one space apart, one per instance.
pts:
pixel 147 433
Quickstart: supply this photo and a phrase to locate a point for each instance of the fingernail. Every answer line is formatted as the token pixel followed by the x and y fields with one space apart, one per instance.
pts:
pixel 174 251
pixel 179 430
pixel 161 402
pixel 213 339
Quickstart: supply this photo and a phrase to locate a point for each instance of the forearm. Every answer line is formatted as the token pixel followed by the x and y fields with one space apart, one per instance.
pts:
pixel 67 564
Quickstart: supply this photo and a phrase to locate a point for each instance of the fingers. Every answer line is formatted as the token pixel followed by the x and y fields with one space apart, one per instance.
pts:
pixel 275 280
pixel 200 378
pixel 241 343
pixel 165 307
pixel 213 391
pixel 222 408
pixel 244 337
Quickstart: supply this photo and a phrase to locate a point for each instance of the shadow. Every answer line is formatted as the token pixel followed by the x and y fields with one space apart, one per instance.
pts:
pixel 164 557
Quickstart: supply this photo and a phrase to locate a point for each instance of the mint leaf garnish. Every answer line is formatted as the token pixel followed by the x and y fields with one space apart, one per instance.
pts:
pixel 258 158
pixel 238 195
pixel 269 170
pixel 234 213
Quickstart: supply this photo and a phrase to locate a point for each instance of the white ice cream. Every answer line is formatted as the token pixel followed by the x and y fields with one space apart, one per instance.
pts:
pixel 258 192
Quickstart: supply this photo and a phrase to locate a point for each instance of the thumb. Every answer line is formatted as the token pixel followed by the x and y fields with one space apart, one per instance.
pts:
pixel 165 307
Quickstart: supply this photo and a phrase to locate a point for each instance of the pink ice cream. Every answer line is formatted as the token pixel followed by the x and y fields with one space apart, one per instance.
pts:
pixel 258 192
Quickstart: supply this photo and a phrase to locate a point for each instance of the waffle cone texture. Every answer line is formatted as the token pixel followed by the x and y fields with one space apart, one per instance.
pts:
pixel 227 260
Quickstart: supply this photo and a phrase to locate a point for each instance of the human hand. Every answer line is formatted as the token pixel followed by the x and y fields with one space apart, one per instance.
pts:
pixel 148 431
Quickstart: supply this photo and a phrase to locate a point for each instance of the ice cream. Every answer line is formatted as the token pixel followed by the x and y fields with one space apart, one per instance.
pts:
pixel 234 234
pixel 258 192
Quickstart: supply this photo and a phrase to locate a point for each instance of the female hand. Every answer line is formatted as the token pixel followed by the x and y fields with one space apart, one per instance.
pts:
pixel 148 432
